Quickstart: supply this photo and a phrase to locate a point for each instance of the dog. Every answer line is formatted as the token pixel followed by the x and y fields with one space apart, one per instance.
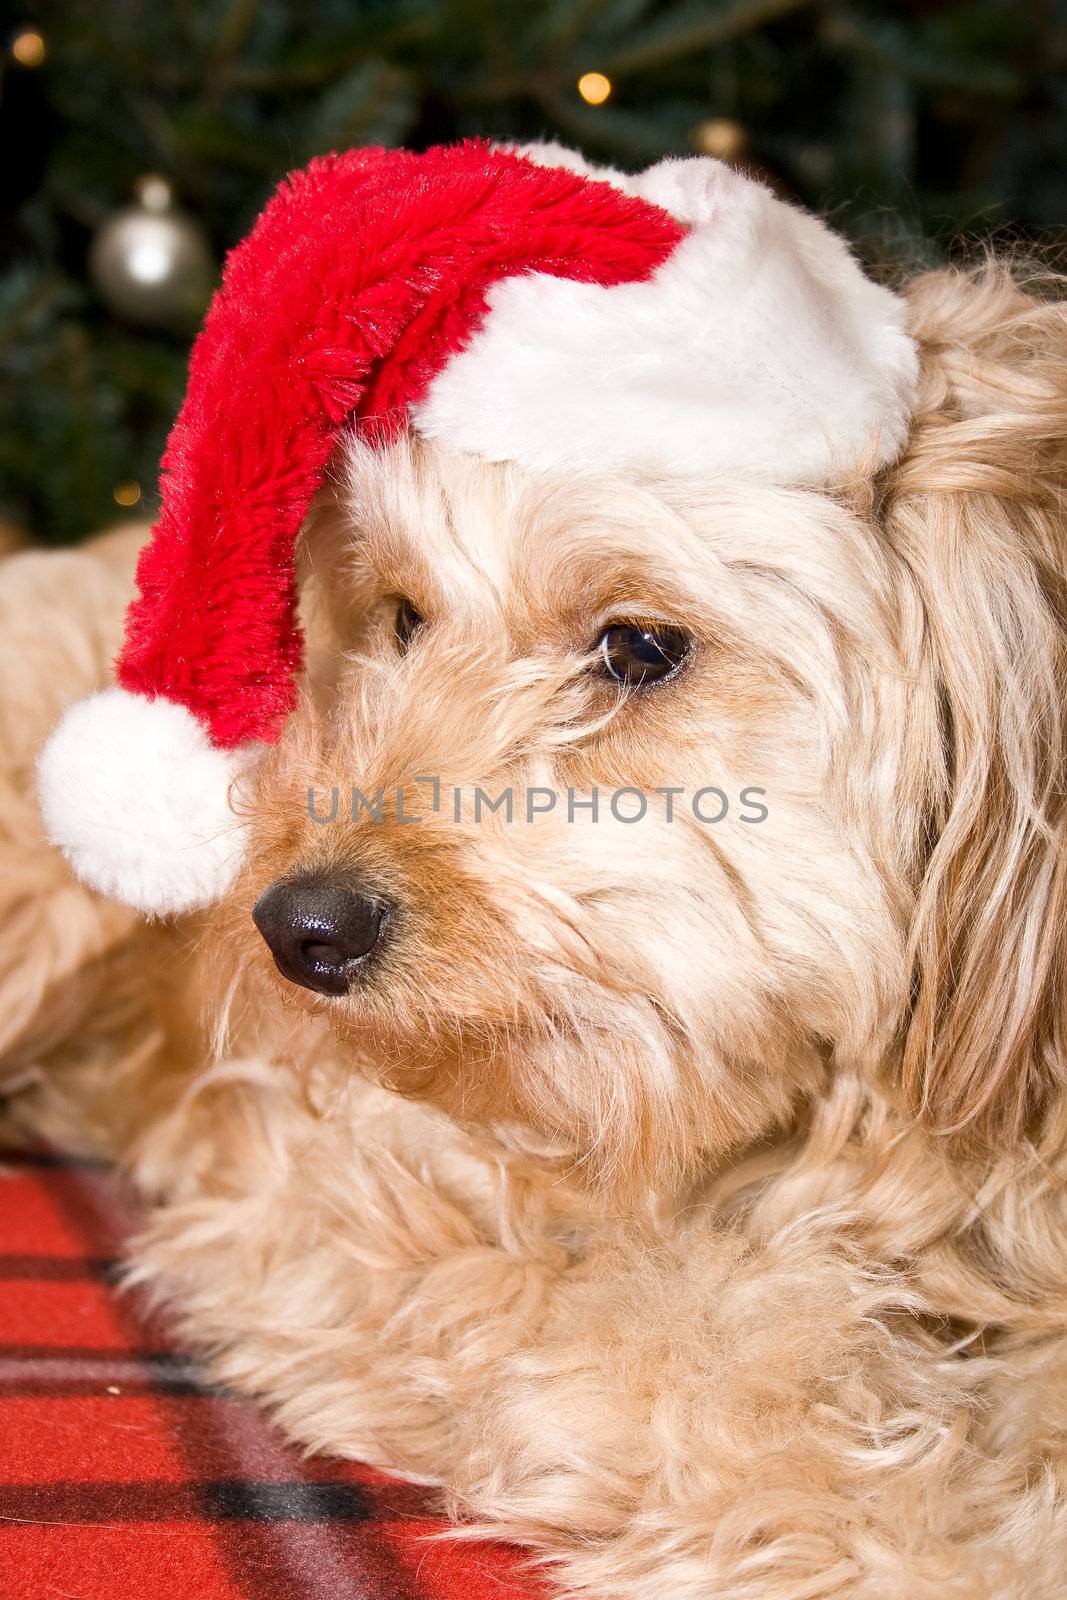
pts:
pixel 684 1193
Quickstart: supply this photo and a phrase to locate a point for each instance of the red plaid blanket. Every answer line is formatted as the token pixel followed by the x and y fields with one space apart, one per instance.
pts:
pixel 126 1475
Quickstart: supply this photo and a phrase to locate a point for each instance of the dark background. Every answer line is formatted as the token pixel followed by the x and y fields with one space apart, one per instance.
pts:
pixel 926 127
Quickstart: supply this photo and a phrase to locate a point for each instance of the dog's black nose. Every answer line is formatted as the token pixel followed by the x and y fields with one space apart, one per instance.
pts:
pixel 320 929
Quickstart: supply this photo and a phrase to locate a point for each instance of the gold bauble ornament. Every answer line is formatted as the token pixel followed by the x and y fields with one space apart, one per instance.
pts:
pixel 151 262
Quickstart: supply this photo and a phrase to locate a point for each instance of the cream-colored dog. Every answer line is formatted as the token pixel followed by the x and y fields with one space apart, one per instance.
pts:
pixel 686 1196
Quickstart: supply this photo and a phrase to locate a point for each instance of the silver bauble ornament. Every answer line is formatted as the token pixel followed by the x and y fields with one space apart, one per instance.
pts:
pixel 151 262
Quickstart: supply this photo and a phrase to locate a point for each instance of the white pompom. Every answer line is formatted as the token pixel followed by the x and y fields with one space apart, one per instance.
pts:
pixel 137 797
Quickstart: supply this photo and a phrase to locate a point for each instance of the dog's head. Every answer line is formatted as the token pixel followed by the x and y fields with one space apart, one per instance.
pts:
pixel 825 739
pixel 626 910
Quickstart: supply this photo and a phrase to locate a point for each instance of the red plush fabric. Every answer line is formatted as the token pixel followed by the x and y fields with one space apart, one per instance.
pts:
pixel 361 277
pixel 125 1475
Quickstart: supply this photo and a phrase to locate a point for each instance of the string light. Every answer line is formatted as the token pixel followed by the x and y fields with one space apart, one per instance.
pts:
pixel 128 493
pixel 721 137
pixel 27 48
pixel 594 88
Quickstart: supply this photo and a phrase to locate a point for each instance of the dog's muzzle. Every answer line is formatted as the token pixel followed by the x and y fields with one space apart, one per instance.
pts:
pixel 321 930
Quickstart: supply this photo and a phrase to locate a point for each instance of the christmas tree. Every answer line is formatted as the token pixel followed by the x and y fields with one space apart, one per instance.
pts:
pixel 141 140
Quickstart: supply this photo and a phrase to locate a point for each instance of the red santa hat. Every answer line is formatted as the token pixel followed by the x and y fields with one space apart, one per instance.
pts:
pixel 514 304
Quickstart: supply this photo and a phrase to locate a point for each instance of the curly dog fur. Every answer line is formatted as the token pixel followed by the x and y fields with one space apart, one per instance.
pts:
pixel 688 1201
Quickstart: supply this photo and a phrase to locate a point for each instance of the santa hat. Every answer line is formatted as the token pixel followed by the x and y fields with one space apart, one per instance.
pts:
pixel 514 304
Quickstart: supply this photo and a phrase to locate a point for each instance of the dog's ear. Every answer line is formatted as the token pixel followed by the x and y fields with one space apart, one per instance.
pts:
pixel 331 603
pixel 976 511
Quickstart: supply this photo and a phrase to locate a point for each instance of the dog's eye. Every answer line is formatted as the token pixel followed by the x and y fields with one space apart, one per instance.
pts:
pixel 406 621
pixel 636 655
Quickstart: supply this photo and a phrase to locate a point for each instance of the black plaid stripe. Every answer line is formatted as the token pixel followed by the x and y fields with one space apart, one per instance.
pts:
pixel 46 1160
pixel 218 1500
pixel 28 1370
pixel 58 1269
